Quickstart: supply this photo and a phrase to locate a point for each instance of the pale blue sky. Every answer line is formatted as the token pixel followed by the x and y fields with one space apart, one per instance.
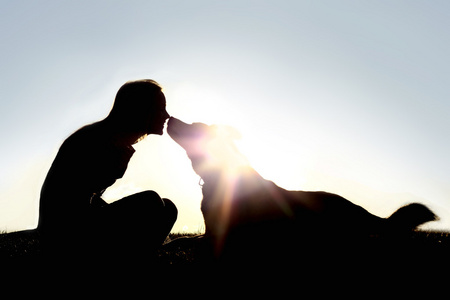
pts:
pixel 350 97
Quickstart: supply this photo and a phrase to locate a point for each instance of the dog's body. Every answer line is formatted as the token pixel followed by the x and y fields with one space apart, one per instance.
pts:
pixel 239 204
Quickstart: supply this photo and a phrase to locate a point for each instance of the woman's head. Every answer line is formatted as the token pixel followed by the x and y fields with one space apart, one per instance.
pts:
pixel 140 108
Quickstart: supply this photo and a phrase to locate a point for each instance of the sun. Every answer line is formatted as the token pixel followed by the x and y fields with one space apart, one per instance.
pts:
pixel 270 143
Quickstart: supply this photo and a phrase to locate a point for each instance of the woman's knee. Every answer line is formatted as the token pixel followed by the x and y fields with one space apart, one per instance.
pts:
pixel 152 201
pixel 149 205
pixel 144 196
pixel 145 199
pixel 170 209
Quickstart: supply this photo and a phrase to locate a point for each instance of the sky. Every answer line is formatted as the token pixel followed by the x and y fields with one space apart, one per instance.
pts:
pixel 349 97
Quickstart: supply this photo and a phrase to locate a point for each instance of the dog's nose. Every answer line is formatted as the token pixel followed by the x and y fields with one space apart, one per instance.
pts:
pixel 171 121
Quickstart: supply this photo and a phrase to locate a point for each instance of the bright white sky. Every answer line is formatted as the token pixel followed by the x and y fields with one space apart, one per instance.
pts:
pixel 350 97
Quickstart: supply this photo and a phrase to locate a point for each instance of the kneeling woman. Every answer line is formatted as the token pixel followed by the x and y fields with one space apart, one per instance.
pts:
pixel 74 221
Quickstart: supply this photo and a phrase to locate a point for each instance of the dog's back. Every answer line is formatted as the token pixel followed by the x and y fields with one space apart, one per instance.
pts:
pixel 253 213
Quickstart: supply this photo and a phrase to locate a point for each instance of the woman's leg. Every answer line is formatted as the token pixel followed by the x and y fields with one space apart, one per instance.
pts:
pixel 135 225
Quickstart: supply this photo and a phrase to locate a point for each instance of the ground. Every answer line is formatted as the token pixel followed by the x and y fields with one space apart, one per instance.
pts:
pixel 190 248
pixel 414 264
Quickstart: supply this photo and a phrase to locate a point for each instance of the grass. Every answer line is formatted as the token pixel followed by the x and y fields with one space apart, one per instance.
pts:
pixel 25 244
pixel 384 266
pixel 189 249
pixel 19 244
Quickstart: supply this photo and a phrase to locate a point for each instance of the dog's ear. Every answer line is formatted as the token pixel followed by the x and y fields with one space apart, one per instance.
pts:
pixel 227 131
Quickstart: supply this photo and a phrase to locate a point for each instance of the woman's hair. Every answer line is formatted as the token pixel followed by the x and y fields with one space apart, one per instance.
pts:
pixel 134 100
pixel 136 95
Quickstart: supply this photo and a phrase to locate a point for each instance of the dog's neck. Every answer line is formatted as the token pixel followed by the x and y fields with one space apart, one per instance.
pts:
pixel 230 181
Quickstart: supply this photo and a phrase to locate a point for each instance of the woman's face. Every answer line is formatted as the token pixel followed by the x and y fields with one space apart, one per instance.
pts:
pixel 157 116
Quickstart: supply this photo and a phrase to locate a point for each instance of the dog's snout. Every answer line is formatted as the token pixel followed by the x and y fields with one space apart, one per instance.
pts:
pixel 172 122
pixel 176 122
pixel 175 127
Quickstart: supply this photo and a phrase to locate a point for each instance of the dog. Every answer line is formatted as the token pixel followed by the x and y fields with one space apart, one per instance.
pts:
pixel 240 206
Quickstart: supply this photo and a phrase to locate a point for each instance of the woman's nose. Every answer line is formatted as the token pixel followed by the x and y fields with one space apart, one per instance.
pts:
pixel 166 115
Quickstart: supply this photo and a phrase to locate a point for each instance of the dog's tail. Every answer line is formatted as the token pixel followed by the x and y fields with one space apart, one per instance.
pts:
pixel 410 216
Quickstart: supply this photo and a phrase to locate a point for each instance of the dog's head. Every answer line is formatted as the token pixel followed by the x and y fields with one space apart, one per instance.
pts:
pixel 210 148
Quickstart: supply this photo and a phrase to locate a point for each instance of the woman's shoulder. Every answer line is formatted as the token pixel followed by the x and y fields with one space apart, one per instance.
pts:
pixel 88 134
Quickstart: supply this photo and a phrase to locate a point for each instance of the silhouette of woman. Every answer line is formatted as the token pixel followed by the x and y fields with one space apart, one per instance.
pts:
pixel 73 219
